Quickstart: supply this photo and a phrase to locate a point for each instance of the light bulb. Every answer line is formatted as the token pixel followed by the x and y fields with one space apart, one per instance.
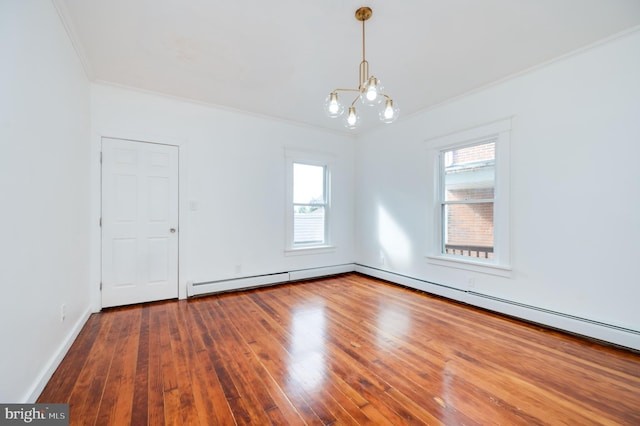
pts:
pixel 371 93
pixel 352 119
pixel 332 105
pixel 389 113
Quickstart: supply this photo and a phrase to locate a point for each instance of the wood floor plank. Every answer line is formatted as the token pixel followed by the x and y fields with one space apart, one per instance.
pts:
pixel 70 372
pixel 341 350
pixel 140 414
pixel 116 402
pixel 155 404
pixel 181 349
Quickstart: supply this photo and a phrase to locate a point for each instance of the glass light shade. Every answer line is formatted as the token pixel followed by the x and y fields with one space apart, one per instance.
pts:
pixel 372 91
pixel 332 105
pixel 352 119
pixel 389 113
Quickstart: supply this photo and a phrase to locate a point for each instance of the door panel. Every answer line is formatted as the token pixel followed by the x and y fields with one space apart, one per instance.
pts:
pixel 139 210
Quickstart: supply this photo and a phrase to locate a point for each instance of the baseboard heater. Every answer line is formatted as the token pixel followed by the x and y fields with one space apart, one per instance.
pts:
pixel 218 286
pixel 597 330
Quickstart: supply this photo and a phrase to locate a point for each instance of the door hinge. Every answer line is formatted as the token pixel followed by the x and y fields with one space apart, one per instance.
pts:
pixel 100 221
pixel 100 285
pixel 100 157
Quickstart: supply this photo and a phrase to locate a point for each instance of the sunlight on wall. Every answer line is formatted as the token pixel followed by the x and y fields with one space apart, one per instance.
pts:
pixel 395 247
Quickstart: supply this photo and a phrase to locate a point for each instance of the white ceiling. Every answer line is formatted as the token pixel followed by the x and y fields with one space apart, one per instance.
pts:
pixel 281 58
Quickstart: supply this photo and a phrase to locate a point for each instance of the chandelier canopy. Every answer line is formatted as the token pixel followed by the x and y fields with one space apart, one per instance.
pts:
pixel 370 90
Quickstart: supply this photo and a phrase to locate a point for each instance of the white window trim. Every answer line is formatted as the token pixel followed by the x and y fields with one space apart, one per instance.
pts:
pixel 315 159
pixel 317 249
pixel 500 131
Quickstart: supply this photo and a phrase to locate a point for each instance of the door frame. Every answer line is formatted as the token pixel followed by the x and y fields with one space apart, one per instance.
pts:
pixel 96 207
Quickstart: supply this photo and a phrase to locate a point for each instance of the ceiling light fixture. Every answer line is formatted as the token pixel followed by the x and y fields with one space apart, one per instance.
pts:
pixel 370 90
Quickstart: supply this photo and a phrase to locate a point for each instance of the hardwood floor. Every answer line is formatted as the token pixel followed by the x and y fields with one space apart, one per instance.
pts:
pixel 341 350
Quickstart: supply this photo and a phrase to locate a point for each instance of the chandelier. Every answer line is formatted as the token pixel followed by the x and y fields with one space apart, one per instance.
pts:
pixel 370 90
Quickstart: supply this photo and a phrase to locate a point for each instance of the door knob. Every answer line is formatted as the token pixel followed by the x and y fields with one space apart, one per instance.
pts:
pixel 172 230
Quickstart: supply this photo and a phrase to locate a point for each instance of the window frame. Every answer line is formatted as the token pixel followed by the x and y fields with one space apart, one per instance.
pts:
pixel 500 133
pixel 312 159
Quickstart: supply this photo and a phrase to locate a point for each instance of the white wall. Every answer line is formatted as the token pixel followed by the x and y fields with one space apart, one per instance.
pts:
pixel 44 171
pixel 575 187
pixel 233 167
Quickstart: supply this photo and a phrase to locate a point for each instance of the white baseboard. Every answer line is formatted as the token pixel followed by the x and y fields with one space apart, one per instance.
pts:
pixel 197 289
pixel 45 375
pixel 208 287
pixel 306 274
pixel 582 326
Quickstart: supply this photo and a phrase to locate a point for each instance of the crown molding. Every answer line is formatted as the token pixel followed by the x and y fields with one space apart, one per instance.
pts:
pixel 67 22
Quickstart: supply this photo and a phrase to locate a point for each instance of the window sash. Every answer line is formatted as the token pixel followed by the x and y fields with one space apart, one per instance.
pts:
pixel 470 244
pixel 323 196
pixel 309 236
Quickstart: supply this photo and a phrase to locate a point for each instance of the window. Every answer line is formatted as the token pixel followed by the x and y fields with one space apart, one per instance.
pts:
pixel 308 198
pixel 309 204
pixel 471 197
pixel 467 177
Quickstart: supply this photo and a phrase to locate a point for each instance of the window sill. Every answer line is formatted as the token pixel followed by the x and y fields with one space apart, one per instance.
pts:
pixel 296 251
pixel 470 265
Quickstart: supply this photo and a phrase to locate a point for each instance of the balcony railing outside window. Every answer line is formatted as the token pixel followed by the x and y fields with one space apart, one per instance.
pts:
pixel 471 251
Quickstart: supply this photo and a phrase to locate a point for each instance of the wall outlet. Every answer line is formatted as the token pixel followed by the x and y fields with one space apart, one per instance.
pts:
pixel 63 312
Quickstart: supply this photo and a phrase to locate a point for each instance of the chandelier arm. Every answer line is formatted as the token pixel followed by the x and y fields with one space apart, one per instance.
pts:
pixel 346 90
pixel 355 100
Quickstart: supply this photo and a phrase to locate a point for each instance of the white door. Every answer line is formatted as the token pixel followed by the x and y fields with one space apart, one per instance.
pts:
pixel 139 222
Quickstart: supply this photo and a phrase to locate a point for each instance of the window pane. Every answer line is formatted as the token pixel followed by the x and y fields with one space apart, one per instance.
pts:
pixel 308 184
pixel 308 224
pixel 468 229
pixel 469 173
